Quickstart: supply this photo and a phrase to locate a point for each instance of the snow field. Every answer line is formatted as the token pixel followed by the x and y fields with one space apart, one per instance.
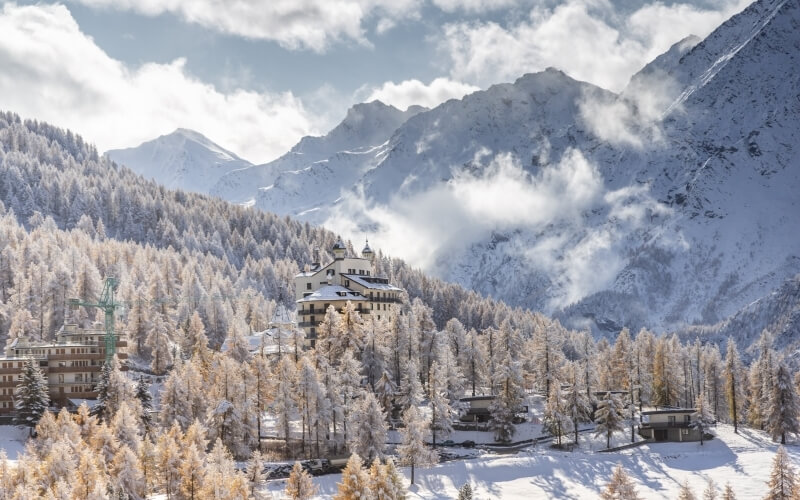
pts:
pixel 658 470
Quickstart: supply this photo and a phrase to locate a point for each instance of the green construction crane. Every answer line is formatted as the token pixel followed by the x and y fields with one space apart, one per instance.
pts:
pixel 108 304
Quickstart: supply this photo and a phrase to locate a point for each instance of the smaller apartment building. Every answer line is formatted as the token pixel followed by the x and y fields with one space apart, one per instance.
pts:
pixel 71 364
pixel 345 279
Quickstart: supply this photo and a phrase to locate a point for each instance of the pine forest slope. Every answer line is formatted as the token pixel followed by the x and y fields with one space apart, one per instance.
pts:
pixel 118 223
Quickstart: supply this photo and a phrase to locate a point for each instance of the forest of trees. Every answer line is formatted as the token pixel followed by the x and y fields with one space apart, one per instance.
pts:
pixel 195 271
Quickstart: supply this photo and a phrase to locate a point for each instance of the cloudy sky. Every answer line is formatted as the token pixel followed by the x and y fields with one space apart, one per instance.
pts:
pixel 256 75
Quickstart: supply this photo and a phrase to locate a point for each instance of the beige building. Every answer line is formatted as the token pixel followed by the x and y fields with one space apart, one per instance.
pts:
pixel 345 279
pixel 71 363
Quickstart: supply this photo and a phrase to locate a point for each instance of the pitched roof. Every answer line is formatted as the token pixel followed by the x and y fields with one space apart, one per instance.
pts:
pixel 332 292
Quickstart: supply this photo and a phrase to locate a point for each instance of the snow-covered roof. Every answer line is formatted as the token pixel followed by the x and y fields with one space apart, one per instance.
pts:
pixel 332 292
pixel 363 281
pixel 665 411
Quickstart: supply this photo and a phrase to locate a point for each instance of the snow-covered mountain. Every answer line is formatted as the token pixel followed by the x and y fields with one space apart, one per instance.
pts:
pixel 184 159
pixel 674 202
pixel 314 171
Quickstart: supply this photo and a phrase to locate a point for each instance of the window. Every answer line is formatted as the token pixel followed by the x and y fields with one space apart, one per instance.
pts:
pixel 671 419
pixel 313 319
pixel 308 286
pixel 347 283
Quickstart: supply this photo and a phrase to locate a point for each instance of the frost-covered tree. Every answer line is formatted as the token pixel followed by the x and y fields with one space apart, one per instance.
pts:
pixel 784 407
pixel 472 359
pixel 413 452
pixel 685 492
pixel 727 493
pixel 158 341
pixel 556 419
pixel 355 481
pixel 441 411
pixel 465 492
pixel 255 471
pixel 734 384
pixel 299 486
pixel 710 493
pixel 411 386
pixel 782 484
pixel 127 478
pixel 145 403
pixel 283 405
pixel 31 396
pixel 369 428
pixel 703 417
pixel 620 487
pixel 609 417
pixel 578 406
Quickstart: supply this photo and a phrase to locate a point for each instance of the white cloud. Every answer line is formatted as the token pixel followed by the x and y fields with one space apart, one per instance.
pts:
pixel 474 5
pixel 573 230
pixel 54 72
pixel 588 39
pixel 295 24
pixel 409 92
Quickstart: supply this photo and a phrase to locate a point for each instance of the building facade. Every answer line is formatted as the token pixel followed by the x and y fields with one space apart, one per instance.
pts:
pixel 71 364
pixel 669 424
pixel 334 284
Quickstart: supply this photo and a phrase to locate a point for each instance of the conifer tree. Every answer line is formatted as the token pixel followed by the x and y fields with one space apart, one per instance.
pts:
pixel 578 407
pixel 685 493
pixel 702 418
pixel 413 452
pixel 734 389
pixel 609 417
pixel 127 474
pixel 465 492
pixel 441 411
pixel 782 484
pixel 784 407
pixel 620 487
pixel 31 396
pixel 299 485
pixel 710 493
pixel 192 471
pixel 727 493
pixel 255 471
pixel 396 479
pixel 283 406
pixel 369 428
pixel 355 481
pixel 145 402
pixel 556 417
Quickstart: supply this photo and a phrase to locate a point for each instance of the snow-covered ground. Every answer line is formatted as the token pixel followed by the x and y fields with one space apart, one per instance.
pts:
pixel 12 440
pixel 658 470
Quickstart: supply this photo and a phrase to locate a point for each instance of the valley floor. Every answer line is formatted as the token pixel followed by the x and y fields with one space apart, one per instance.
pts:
pixel 658 469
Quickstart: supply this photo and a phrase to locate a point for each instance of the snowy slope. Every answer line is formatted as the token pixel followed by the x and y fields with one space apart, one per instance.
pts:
pixel 184 159
pixel 353 144
pixel 657 469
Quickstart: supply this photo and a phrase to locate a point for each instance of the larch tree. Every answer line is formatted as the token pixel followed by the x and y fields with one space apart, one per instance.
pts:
pixel 255 471
pixel 441 411
pixel 413 452
pixel 299 486
pixel 284 403
pixel 556 419
pixel 620 487
pixel 734 384
pixel 31 396
pixel 127 477
pixel 609 417
pixel 703 417
pixel 192 471
pixel 784 407
pixel 472 358
pixel 158 340
pixel 710 493
pixel 369 428
pixel 578 406
pixel 355 481
pixel 782 484
pixel 727 492
pixel 685 492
